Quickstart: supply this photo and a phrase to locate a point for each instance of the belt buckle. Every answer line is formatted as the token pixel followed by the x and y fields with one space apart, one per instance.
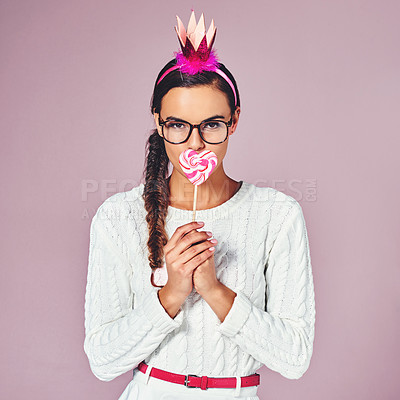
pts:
pixel 186 381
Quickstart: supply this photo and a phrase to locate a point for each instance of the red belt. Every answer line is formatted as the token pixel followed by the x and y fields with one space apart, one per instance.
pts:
pixel 203 382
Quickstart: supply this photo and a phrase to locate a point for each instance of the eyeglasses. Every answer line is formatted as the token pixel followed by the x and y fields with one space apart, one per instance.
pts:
pixel 178 131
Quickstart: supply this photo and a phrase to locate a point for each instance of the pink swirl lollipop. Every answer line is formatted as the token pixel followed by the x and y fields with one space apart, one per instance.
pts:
pixel 197 167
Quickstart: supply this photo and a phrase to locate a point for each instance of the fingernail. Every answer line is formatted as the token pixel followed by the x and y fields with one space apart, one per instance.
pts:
pixel 209 233
pixel 200 223
pixel 211 248
pixel 214 241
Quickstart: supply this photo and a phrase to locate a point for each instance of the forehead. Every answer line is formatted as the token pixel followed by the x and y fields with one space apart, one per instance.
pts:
pixel 195 103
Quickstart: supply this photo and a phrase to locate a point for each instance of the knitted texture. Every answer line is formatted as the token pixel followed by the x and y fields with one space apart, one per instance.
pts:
pixel 262 254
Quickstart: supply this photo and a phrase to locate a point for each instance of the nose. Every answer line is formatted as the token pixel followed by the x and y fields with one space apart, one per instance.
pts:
pixel 195 141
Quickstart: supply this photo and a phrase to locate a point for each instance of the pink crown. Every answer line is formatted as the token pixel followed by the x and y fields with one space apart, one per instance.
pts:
pixel 197 54
pixel 196 44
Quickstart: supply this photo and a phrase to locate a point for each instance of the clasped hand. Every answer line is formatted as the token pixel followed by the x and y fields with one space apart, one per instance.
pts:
pixel 190 262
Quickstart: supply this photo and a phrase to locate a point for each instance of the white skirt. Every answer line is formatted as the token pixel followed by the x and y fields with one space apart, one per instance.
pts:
pixel 143 387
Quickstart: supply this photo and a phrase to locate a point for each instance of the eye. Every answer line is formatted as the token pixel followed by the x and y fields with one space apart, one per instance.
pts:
pixel 213 125
pixel 175 125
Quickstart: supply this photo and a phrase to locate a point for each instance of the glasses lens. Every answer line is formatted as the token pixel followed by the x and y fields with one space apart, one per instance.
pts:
pixel 214 131
pixel 176 131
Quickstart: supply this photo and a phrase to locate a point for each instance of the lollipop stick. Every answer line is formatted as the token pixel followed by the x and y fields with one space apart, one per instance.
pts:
pixel 194 202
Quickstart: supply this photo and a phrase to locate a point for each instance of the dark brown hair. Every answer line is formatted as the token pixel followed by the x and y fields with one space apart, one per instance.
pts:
pixel 156 187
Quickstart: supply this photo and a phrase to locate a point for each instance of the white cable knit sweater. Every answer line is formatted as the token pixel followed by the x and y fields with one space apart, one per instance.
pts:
pixel 262 254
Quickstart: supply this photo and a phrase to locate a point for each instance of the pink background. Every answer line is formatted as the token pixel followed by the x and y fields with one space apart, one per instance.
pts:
pixel 319 84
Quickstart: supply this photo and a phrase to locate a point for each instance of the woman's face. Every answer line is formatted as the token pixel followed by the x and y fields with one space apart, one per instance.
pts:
pixel 195 105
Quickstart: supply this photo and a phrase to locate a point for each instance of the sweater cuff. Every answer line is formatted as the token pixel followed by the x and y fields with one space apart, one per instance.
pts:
pixel 157 315
pixel 236 316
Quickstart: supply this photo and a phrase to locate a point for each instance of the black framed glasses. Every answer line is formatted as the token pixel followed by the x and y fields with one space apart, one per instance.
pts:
pixel 213 131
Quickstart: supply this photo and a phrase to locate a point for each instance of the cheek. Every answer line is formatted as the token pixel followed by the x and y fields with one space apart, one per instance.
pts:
pixel 173 154
pixel 220 153
pixel 171 157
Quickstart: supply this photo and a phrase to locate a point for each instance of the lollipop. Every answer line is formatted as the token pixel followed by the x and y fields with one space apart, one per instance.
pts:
pixel 197 167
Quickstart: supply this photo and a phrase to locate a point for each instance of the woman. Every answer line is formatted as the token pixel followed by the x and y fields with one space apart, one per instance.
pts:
pixel 225 306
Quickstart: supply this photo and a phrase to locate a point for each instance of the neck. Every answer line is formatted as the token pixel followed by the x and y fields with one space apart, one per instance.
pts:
pixel 217 189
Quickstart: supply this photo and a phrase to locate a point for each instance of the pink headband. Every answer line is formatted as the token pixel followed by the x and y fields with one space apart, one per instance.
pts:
pixel 197 54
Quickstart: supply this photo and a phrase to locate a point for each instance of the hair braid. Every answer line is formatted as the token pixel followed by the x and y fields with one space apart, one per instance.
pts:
pixel 156 198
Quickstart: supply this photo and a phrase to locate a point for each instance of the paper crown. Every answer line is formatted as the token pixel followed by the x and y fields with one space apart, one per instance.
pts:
pixel 194 41
pixel 197 54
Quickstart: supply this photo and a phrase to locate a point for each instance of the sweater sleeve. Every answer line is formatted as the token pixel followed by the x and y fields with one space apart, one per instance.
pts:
pixel 119 333
pixel 280 337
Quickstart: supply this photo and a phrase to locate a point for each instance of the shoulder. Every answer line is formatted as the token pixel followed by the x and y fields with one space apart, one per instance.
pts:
pixel 274 201
pixel 121 204
pixel 277 211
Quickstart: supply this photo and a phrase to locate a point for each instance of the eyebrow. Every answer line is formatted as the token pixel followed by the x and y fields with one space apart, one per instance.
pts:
pixel 204 120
